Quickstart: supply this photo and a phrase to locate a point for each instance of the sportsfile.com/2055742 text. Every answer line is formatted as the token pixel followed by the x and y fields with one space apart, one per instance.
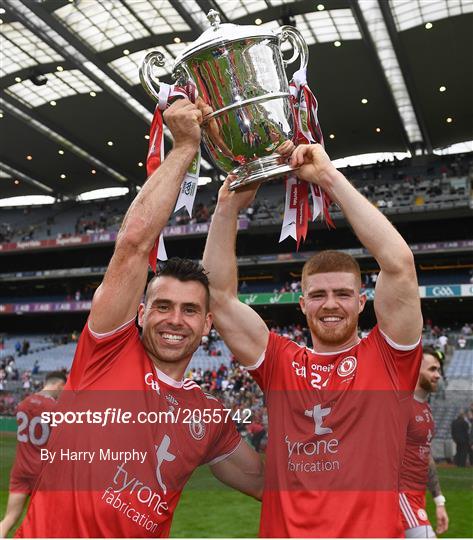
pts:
pixel 113 415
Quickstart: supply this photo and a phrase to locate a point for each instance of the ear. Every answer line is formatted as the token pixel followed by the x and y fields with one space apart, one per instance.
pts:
pixel 362 302
pixel 141 311
pixel 207 324
pixel 302 303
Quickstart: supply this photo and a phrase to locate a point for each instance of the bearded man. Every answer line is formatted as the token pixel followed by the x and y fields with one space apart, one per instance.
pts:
pixel 418 466
pixel 337 412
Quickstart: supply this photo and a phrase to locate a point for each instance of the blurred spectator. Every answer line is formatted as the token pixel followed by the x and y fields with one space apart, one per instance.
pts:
pixel 442 343
pixel 201 214
pixel 469 417
pixel 296 286
pixel 11 370
pixel 461 436
pixel 467 330
pixel 26 378
pixel 25 347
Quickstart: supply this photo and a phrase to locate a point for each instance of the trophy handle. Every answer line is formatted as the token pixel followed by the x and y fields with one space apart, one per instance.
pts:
pixel 291 34
pixel 180 75
pixel 149 82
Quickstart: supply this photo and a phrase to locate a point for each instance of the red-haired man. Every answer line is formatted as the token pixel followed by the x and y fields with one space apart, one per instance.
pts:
pixel 337 417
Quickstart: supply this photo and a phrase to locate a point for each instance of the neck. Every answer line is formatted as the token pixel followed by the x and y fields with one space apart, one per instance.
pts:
pixel 421 394
pixel 174 370
pixel 49 391
pixel 324 347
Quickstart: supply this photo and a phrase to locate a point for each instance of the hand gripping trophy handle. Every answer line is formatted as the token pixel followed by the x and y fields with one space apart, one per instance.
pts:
pixel 289 33
pixel 151 83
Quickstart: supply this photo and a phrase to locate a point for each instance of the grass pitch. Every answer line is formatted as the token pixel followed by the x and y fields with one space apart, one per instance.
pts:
pixel 208 509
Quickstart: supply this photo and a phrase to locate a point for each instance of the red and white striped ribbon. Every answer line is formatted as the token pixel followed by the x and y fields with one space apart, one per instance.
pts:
pixel 167 94
pixel 307 131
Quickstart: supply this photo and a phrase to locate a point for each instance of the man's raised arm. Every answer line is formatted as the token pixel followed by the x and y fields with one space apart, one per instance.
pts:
pixel 242 329
pixel 396 303
pixel 116 300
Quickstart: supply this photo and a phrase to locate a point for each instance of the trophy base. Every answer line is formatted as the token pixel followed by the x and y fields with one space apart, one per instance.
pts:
pixel 259 170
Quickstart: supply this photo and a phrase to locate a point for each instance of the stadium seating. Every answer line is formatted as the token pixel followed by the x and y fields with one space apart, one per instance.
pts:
pixel 459 374
pixel 63 219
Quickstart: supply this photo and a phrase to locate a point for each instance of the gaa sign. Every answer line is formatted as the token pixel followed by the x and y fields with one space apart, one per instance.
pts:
pixel 443 291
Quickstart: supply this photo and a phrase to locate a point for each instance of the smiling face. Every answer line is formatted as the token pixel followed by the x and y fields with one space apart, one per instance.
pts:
pixel 174 319
pixel 429 374
pixel 332 303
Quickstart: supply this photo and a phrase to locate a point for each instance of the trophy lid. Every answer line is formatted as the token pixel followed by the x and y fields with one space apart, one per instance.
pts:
pixel 222 33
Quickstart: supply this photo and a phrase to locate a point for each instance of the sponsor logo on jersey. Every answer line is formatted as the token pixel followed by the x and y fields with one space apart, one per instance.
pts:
pixel 197 430
pixel 419 418
pixel 151 381
pixel 317 414
pixel 129 495
pixel 424 452
pixel 317 455
pixel 300 370
pixel 316 380
pixel 347 366
pixel 162 455
pixel 171 399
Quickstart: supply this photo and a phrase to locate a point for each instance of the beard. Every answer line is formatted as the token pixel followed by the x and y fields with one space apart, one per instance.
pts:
pixel 338 335
pixel 426 385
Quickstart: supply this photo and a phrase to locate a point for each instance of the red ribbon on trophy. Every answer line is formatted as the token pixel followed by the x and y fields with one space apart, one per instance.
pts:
pixel 167 94
pixel 297 211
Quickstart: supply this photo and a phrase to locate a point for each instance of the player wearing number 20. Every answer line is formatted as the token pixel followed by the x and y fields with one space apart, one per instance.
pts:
pixel 32 435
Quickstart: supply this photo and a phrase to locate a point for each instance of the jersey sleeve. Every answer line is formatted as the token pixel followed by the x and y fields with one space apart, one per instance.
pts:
pixel 401 361
pixel 225 440
pixel 96 352
pixel 265 369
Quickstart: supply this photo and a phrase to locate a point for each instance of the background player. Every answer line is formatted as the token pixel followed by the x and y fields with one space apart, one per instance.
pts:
pixel 320 479
pixel 115 367
pixel 32 435
pixel 418 466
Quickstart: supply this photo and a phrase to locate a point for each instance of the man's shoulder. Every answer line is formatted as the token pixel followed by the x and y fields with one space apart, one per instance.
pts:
pixel 285 343
pixel 36 401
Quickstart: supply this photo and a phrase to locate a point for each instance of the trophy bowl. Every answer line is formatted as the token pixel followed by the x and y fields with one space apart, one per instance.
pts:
pixel 239 72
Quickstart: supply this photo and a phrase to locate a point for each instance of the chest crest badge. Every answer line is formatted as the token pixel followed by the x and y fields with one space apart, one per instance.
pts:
pixel 347 366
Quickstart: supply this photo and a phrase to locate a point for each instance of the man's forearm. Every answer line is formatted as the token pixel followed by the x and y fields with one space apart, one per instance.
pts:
pixel 150 210
pixel 371 227
pixel 433 483
pixel 219 254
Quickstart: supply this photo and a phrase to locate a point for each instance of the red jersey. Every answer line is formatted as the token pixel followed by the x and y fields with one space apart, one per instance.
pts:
pixel 337 422
pixel 415 465
pixel 32 435
pixel 124 479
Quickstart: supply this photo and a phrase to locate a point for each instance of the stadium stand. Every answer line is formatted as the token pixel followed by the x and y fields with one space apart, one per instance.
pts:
pixel 393 187
pixel 457 396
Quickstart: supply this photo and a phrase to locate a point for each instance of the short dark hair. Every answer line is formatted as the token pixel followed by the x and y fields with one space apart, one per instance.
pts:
pixel 428 349
pixel 54 376
pixel 331 261
pixel 183 270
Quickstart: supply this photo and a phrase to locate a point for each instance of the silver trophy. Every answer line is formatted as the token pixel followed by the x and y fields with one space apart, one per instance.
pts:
pixel 239 73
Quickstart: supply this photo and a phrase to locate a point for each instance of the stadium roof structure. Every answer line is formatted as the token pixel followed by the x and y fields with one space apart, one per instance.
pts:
pixel 389 75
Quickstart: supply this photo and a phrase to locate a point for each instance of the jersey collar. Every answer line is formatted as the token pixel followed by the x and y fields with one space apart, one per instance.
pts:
pixel 167 379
